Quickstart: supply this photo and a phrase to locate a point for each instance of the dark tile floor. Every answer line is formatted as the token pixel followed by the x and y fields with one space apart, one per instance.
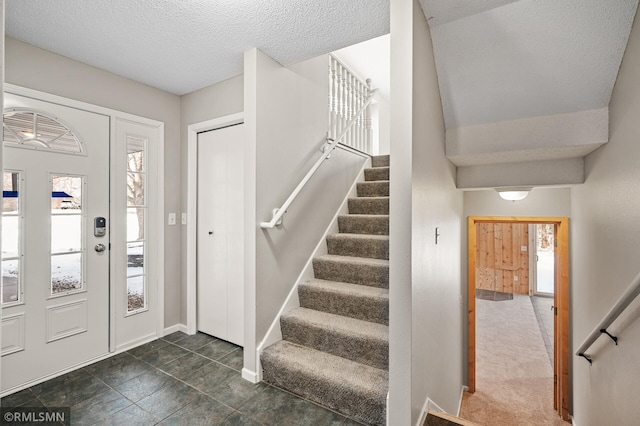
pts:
pixel 176 380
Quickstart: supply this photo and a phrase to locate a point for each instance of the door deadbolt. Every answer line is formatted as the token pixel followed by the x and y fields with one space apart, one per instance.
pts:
pixel 100 248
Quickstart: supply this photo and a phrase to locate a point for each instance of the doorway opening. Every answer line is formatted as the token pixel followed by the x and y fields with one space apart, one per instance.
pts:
pixel 506 278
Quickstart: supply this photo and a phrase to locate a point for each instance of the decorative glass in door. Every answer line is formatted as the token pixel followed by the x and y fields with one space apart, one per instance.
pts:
pixel 67 228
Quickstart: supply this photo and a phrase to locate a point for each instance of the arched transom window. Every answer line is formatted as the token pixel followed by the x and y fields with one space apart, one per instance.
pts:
pixel 24 128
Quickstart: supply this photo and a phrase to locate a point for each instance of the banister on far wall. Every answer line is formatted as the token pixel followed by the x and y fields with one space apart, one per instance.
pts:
pixel 625 300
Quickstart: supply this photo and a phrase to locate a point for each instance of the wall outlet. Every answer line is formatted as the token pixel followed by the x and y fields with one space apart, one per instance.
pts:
pixel 515 278
pixel 172 218
pixel 523 248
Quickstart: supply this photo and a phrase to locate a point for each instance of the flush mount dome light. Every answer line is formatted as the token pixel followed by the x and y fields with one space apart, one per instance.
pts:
pixel 514 193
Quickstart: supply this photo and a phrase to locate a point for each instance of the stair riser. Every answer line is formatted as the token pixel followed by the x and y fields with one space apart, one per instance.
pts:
pixel 363 225
pixel 379 173
pixel 367 351
pixel 365 206
pixel 380 161
pixel 358 247
pixel 373 189
pixel 333 395
pixel 371 275
pixel 372 309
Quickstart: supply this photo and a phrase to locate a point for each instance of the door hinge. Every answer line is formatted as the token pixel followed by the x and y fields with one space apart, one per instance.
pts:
pixel 555 379
pixel 555 310
pixel 555 243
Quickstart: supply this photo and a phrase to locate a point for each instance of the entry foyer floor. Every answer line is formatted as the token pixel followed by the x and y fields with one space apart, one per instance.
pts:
pixel 176 380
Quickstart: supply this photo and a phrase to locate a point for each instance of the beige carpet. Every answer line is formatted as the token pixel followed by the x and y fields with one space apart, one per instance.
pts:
pixel 514 380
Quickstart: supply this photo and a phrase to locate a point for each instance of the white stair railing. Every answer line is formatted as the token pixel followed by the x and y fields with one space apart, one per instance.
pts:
pixel 347 95
pixel 326 153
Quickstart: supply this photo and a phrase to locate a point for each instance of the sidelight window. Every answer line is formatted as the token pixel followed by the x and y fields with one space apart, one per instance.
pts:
pixel 136 224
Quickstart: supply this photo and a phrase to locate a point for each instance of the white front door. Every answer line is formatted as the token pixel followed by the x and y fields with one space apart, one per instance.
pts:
pixel 55 262
pixel 220 275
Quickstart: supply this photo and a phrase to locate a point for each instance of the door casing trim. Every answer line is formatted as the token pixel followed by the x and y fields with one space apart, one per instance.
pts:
pixel 192 206
pixel 113 115
pixel 561 301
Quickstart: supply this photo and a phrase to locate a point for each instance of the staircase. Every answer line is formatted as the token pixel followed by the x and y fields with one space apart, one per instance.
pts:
pixel 335 347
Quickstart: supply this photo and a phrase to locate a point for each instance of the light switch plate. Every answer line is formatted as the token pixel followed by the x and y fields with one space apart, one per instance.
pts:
pixel 184 218
pixel 172 218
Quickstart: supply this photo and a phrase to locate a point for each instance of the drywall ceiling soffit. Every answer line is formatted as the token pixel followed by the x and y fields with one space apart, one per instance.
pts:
pixel 524 155
pixel 180 46
pixel 527 58
pixel 530 173
pixel 569 135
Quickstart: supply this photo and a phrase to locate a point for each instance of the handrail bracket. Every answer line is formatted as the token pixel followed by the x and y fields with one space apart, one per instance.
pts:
pixel 586 357
pixel 614 338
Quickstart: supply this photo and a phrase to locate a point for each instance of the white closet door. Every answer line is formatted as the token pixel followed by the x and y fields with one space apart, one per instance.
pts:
pixel 220 295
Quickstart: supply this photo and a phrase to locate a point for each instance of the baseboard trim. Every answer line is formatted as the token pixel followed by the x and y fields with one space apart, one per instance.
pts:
pixel 573 421
pixel 429 404
pixel 135 342
pixel 464 389
pixel 250 376
pixel 274 333
pixel 174 328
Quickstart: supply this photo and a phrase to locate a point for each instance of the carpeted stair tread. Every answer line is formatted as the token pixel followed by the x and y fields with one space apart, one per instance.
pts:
pixel 364 224
pixel 350 300
pixel 376 173
pixel 351 388
pixel 360 341
pixel 369 205
pixel 355 270
pixel 359 245
pixel 380 161
pixel 378 188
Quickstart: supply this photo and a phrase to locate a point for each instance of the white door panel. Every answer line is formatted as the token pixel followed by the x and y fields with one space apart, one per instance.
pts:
pixel 220 275
pixel 64 323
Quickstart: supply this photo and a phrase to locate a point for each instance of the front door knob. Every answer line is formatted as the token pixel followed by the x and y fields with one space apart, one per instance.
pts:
pixel 100 248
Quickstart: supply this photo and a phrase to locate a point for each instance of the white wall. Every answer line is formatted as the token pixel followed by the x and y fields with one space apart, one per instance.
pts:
pixel 384 125
pixel 218 100
pixel 286 120
pixel 604 258
pixel 38 69
pixel 554 202
pixel 425 278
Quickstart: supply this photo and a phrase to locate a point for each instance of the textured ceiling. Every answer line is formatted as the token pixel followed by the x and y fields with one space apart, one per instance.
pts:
pixel 526 58
pixel 440 12
pixel 183 45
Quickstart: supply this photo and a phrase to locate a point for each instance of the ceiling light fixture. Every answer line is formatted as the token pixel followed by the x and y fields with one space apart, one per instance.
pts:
pixel 513 193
